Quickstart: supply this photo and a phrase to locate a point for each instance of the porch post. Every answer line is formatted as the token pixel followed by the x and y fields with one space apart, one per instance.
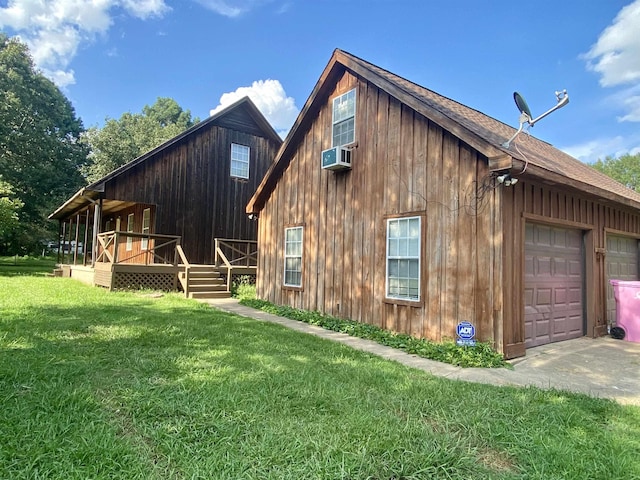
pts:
pixel 75 247
pixel 96 229
pixel 86 238
pixel 61 227
pixel 69 239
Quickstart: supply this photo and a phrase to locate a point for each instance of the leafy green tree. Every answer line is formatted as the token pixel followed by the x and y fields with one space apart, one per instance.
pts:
pixel 132 135
pixel 40 152
pixel 9 209
pixel 625 169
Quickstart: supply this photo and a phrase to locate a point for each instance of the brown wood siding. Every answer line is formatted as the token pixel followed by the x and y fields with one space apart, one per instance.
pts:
pixel 195 196
pixel 134 255
pixel 536 202
pixel 403 165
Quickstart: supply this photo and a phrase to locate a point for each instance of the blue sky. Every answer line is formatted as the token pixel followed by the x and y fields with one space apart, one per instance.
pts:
pixel 113 56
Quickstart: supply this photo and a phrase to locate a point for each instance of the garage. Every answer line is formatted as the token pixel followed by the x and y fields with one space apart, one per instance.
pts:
pixel 553 284
pixel 622 264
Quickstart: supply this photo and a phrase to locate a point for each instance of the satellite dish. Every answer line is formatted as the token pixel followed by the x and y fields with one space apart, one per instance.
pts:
pixel 525 113
pixel 522 105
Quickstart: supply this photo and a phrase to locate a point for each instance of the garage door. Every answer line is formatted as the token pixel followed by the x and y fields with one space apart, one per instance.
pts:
pixel 553 284
pixel 622 264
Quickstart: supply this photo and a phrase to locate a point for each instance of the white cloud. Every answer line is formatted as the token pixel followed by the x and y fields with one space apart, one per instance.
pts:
pixel 616 58
pixel 271 100
pixel 222 7
pixel 629 98
pixel 54 29
pixel 616 54
pixel 62 78
pixel 593 150
pixel 232 8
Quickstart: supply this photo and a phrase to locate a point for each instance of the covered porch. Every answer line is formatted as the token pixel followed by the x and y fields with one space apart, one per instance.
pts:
pixel 113 244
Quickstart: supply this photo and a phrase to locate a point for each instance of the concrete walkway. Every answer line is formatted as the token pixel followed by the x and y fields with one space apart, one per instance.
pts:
pixel 600 367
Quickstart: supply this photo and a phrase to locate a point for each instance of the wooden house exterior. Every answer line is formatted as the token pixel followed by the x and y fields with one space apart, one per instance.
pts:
pixel 421 232
pixel 193 188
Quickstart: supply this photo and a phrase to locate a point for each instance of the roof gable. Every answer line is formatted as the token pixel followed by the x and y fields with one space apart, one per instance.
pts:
pixel 480 131
pixel 242 115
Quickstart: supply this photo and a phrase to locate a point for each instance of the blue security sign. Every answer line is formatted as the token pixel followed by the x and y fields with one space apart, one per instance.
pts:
pixel 466 334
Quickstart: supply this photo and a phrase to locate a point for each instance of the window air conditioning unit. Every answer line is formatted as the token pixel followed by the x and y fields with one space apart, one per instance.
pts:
pixel 336 158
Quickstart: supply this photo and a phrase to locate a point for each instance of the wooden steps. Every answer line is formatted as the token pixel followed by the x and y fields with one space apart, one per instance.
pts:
pixel 203 281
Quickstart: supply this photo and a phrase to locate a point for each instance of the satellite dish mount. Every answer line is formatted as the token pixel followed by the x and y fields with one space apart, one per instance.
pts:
pixel 525 113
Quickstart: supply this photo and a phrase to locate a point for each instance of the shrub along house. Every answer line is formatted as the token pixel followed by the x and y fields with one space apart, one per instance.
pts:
pixel 178 206
pixel 393 205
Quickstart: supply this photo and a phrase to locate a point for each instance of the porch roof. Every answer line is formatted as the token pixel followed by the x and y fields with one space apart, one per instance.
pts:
pixel 82 199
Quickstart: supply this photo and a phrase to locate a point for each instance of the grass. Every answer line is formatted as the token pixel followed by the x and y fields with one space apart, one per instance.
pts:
pixel 26 265
pixel 482 355
pixel 126 386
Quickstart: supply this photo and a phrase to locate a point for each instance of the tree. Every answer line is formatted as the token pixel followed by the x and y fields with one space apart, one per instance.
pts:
pixel 625 169
pixel 122 140
pixel 40 152
pixel 9 208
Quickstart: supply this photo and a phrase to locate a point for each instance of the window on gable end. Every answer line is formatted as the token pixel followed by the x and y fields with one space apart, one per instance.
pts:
pixel 240 160
pixel 344 119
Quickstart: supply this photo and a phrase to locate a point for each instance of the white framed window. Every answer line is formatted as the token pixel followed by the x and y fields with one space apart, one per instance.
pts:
pixel 293 256
pixel 130 224
pixel 240 160
pixel 344 119
pixel 403 258
pixel 146 227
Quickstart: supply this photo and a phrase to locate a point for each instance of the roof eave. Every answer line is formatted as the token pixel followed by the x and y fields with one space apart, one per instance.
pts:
pixel 74 203
pixel 338 63
pixel 255 112
pixel 552 179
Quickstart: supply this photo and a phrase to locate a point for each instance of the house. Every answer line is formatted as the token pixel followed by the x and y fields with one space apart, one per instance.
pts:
pixel 182 203
pixel 393 205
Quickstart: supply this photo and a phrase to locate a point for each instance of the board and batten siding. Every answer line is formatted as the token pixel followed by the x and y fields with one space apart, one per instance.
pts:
pixel 403 165
pixel 195 196
pixel 529 201
pixel 136 254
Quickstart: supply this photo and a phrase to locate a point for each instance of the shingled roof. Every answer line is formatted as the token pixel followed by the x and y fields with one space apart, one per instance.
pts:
pixel 486 134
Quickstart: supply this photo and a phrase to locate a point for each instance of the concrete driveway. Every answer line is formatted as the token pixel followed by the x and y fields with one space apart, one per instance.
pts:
pixel 600 367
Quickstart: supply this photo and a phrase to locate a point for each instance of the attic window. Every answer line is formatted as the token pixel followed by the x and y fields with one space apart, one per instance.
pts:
pixel 344 119
pixel 240 160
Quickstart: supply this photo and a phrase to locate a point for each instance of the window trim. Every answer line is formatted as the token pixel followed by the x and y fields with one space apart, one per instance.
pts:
pixel 397 299
pixel 285 257
pixel 130 225
pixel 232 160
pixel 146 215
pixel 333 118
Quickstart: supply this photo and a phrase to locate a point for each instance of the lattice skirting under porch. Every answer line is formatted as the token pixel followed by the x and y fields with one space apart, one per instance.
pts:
pixel 140 280
pixel 237 278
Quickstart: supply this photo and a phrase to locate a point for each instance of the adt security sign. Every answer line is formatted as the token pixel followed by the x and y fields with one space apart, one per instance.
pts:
pixel 466 334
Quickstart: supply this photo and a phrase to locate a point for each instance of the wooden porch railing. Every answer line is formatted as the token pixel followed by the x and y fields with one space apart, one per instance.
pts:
pixel 235 254
pixel 160 249
pixel 187 267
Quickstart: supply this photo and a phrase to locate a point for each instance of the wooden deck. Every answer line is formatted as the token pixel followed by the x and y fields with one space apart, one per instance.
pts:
pixel 164 266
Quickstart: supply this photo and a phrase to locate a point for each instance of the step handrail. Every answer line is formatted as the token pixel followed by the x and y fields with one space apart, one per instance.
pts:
pixel 187 267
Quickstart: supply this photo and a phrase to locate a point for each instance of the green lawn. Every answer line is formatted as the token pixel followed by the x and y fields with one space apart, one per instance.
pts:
pixel 123 385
